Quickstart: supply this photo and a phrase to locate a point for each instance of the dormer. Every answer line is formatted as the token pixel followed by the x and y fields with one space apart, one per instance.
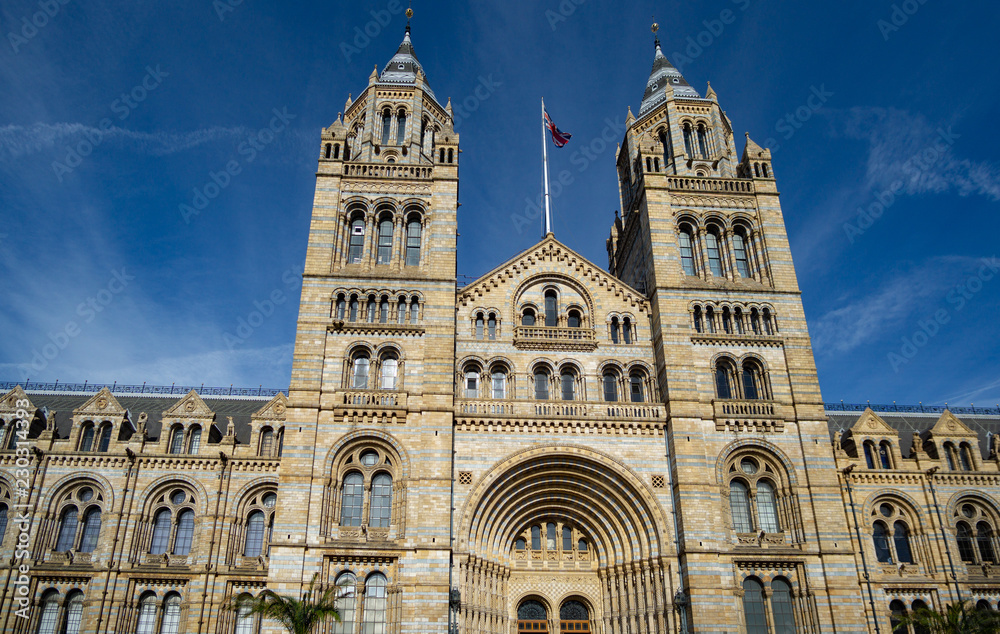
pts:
pixel 100 424
pixel 186 427
pixel 954 444
pixel 874 441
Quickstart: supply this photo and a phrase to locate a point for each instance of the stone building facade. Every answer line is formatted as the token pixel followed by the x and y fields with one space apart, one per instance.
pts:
pixel 555 447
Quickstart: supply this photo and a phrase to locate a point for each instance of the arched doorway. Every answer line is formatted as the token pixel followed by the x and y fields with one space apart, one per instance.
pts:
pixel 532 617
pixel 574 617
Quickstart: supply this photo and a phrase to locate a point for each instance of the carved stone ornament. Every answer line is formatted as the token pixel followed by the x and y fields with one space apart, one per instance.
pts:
pixel 101 403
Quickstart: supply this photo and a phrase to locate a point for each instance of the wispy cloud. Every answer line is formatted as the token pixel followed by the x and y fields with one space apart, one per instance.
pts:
pixel 19 140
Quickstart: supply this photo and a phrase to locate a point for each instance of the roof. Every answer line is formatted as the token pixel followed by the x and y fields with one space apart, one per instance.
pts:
pixel 402 69
pixel 908 423
pixel 664 74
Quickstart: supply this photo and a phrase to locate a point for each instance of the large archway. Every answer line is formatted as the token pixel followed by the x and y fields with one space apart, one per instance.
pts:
pixel 568 529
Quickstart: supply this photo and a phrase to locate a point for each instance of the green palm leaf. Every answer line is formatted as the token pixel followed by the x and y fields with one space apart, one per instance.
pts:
pixel 298 616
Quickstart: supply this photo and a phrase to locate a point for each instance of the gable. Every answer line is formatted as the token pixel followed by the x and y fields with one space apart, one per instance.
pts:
pixel 103 404
pixel 871 424
pixel 191 406
pixel 948 425
pixel 8 404
pixel 274 410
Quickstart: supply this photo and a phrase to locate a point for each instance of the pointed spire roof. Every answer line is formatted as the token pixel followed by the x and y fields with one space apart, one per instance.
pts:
pixel 664 74
pixel 404 68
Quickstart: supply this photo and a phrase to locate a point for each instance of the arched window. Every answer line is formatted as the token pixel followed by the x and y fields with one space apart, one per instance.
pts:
pixel 738 320
pixel 781 607
pixel 528 317
pixel 712 250
pixel 614 330
pixel 352 499
pixel 567 380
pixel 550 536
pixel 341 307
pixel 869 447
pixel 87 437
pixel 386 126
pixel 688 149
pixel 884 455
pixel 381 507
pixel 471 381
pixel 185 532
pixel 389 371
pixel 491 327
pixel 541 384
pixel 161 532
pixel 685 241
pixel 413 230
pixel 755 321
pixel 665 142
pixel 574 617
pixel 756 170
pixel 965 456
pixel 582 545
pixel 753 606
pixel 567 538
pixel 767 507
pixel 355 305
pixel 626 330
pixel 401 127
pixel 372 305
pixel 763 167
pixel 739 506
pixel 949 452
pixel 965 549
pixel 244 617
pixel 897 610
pixel 656 164
pixel 423 133
pixel 105 441
pixel 49 620
pixel 384 241
pixel 702 141
pixel 374 617
pixel 740 252
pixel 480 326
pixel 551 309
pixel 414 310
pixel 177 440
pixel 171 614
pixel 266 442
pixel 573 319
pixel 328 150
pixel 441 157
pixel 768 323
pixel 194 441
pixel 3 521
pixel 355 249
pixel 74 612
pixel 91 530
pixel 67 530
pixel 649 164
pixel 347 603
pixel 724 375
pixel 710 319
pixel 610 381
pixel 901 540
pixel 499 378
pixel 984 539
pixel 699 324
pixel 880 538
pixel 753 381
pixel 451 155
pixel 359 371
pixel 254 543
pixel 536 538
pixel 635 381
pixel 532 617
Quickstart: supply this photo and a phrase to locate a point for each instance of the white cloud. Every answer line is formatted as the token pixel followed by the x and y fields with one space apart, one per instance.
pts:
pixel 21 140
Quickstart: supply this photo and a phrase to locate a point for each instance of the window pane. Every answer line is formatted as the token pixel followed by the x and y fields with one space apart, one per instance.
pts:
pixel 360 373
pixel 528 318
pixel 346 588
pixel 50 616
pixel 984 536
pixel 536 537
pixel 386 127
pixel 479 326
pixel 385 241
pixel 255 535
pixel 413 243
pixel 767 507
pixel 266 442
pixel 105 441
pixel 357 242
pixel 901 539
pixel 883 456
pixel 781 607
pixel 499 385
pixel 869 455
pixel 567 538
pixel 67 530
pixel 91 530
pixel 551 310
pixel 171 615
pixel 749 383
pixel 635 388
pixel 687 254
pixel 195 444
pixel 614 330
pixel 964 536
pixel 896 610
pixel 87 442
pixel 626 330
pixel 492 327
pixel 352 500
pixel 541 386
pixel 550 536
pixel 400 128
pixel 374 619
pixel 722 386
pixel 881 540
pixel 966 457
pixel 74 614
pixel 611 388
pixel 471 384
pixel 568 386
pixel 739 505
pixel 177 441
pixel 753 607
pixel 161 533
pixel 3 521
pixel 714 261
pixel 739 246
pixel 185 532
pixel 381 509
pixel 147 616
pixel 244 620
pixel 390 367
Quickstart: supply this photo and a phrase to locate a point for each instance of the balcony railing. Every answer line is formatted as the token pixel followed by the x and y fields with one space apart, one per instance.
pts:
pixel 388 170
pixel 546 336
pixel 750 409
pixel 375 398
pixel 725 185
pixel 559 409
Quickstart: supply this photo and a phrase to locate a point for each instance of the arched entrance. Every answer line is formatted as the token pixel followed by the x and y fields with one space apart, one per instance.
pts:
pixel 532 617
pixel 574 617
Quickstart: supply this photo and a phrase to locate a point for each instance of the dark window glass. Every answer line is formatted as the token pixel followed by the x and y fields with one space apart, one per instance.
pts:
pixel 568 380
pixel 87 440
pixel 881 540
pixel 883 456
pixel 567 538
pixel 386 126
pixel 614 330
pixel 965 455
pixel 541 385
pixel 91 530
pixel 357 241
pixel 714 259
pixel 984 537
pixel 479 326
pixel 627 330
pixel 105 441
pixel 381 506
pixel 255 535
pixel 740 249
pixel 687 253
pixel 194 442
pixel 739 505
pixel 964 536
pixel 753 607
pixel 610 387
pixel 385 241
pixel 723 386
pixel 536 538
pixel 781 607
pixel 635 388
pixel 161 532
pixel 750 382
pixel 67 530
pixel 551 309
pixel 869 455
pixel 901 539
pixel 400 128
pixel 573 320
pixel 491 327
pixel 413 230
pixel 528 318
pixel 185 532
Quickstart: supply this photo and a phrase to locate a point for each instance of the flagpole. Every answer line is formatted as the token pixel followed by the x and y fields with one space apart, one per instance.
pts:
pixel 545 161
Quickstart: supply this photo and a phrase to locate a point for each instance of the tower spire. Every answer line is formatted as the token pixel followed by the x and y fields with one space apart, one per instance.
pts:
pixel 662 75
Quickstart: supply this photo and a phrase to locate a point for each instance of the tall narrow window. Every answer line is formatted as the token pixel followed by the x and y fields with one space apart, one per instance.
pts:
pixel 699 325
pixel 147 615
pixel 528 317
pixel 266 442
pixel 965 456
pixel 374 617
pixel 687 141
pixel 87 439
pixel 615 330
pixel 400 127
pixel 751 381
pixel 767 507
pixel 491 327
pixel 161 532
pixel 880 539
pixel 541 385
pixel 385 241
pixel 714 259
pixel 356 246
pixel 49 620
pixel 423 133
pixel 359 373
pixel 386 126
pixel 781 607
pixel 171 614
pixel 185 532
pixel 702 141
pixel 901 540
pixel 91 530
pixel 414 310
pixel 753 606
pixel 372 306
pixel 610 387
pixel 739 505
pixel 738 321
pixel 551 309
pixel 666 143
pixel 897 610
pixel 710 319
pixel 479 325
pixel 352 500
pixel 244 619
pixel 381 507
pixel 963 535
pixel 401 311
pixel 413 243
pixel 768 323
pixel 635 388
pixel 346 588
pixel 177 440
pixel 105 441
pixel 355 305
pixel 727 321
pixel 499 384
pixel 687 252
pixel 870 455
pixel 626 330
pixel 67 530
pixel 573 319
pixel 194 442
pixel 74 613
pixel 389 370
pixel 755 321
pixel 949 452
pixel 568 380
pixel 740 249
pixel 723 380
pixel 567 540
pixel 550 536
pixel 3 521
pixel 536 538
pixel 984 538
pixel 383 310
pixel 472 383
pixel 341 307
pixel 884 449
pixel 254 543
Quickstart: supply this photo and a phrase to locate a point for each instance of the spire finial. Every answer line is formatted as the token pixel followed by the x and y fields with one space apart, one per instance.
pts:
pixel 654 29
pixel 409 14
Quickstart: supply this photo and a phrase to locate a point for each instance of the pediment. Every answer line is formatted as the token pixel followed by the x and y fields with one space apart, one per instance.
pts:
pixel 102 404
pixel 191 406
pixel 950 425
pixel 274 410
pixel 871 424
pixel 550 257
pixel 10 399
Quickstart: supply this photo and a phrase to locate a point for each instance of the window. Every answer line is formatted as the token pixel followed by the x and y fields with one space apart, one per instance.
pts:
pixel 381 507
pixel 472 383
pixel 753 381
pixel 567 538
pixel 91 530
pixel 568 381
pixel 414 310
pixel 541 384
pixel 965 456
pixel 767 507
pixel 573 319
pixel 984 539
pixel 551 309
pixel 740 251
pixel 550 536
pixel 768 324
pixel 687 252
pixel 185 532
pixel 244 617
pixel 266 442
pixel 389 371
pixel 610 381
pixel 753 606
pixel 67 530
pixel 755 321
pixel 884 453
pixel 897 610
pixel 374 616
pixel 74 612
pixel 50 614
pixel 627 330
pixel 171 614
pixel 712 248
pixel 355 305
pixel 386 126
pixel 574 617
pixel 528 317
pixel 105 442
pixel 635 387
pixel 413 230
pixel 615 330
pixel 949 452
pixel 869 447
pixel 161 532
pixel 3 521
pixel 177 440
pixel 479 326
pixel 372 305
pixel 499 379
pixel 901 540
pixel 357 242
pixel 352 500
pixel 880 538
pixel 346 588
pixel 147 615
pixel 665 141
pixel 87 438
pixel 341 307
pixel 385 241
pixel 491 325
pixel 702 141
pixel 400 127
pixel 687 141
pixel 401 311
pixel 699 325
pixel 359 371
pixel 254 543
pixel 536 539
pixel 724 374
pixel 710 319
pixel 739 506
pixel 781 607
pixel 194 442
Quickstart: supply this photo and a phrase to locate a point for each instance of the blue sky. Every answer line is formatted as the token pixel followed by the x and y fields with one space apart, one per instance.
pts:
pixel 100 269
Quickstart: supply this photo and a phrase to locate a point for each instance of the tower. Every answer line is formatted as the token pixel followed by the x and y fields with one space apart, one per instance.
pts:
pixel 367 451
pixel 702 234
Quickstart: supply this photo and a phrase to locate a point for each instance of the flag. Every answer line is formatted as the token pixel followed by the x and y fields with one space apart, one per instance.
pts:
pixel 559 137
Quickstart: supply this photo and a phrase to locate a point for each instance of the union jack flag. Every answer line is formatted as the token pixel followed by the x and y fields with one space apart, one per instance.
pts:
pixel 559 137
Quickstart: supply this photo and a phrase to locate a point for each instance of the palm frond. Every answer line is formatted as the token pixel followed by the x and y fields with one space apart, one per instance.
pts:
pixel 297 615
